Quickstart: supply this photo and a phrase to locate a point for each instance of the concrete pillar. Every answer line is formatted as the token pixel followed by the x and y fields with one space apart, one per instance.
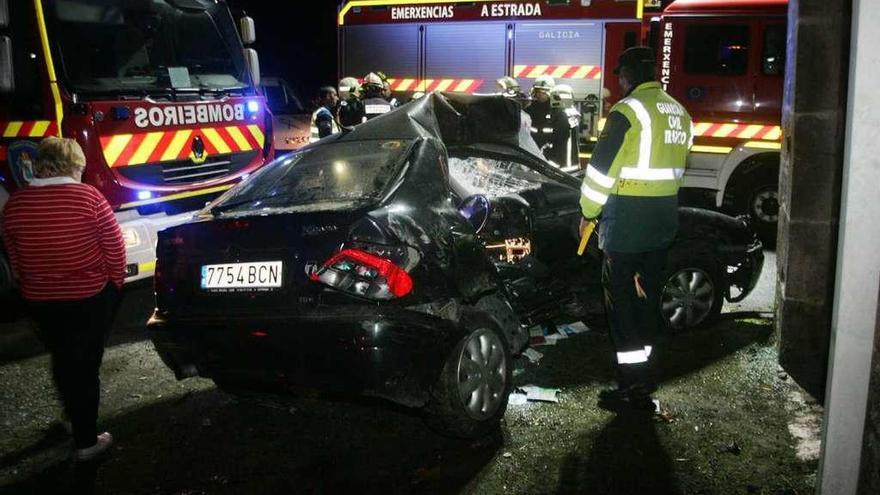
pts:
pixel 869 478
pixel 854 321
pixel 810 176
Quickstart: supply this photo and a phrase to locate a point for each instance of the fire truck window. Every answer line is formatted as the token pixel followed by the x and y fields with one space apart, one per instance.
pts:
pixel 773 58
pixel 26 102
pixel 130 46
pixel 716 49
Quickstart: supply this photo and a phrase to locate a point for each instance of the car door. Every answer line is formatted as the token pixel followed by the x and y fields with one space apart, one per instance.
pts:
pixel 532 228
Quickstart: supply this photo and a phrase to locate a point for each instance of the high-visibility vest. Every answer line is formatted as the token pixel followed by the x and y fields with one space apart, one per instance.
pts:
pixel 314 135
pixel 653 156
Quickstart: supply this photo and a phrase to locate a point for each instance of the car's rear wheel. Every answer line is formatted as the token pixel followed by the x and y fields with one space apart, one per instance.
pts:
pixel 470 396
pixel 693 292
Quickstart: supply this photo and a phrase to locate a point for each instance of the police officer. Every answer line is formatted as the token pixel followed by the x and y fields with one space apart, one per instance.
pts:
pixel 374 100
pixel 540 110
pixel 351 108
pixel 566 120
pixel 324 118
pixel 632 181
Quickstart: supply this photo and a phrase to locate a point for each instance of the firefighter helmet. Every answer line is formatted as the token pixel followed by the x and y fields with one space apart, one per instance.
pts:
pixel 373 80
pixel 561 96
pixel 508 86
pixel 543 83
pixel 349 85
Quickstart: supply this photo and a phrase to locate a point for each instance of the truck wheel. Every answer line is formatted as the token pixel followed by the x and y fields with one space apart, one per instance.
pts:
pixel 470 396
pixel 755 192
pixel 694 289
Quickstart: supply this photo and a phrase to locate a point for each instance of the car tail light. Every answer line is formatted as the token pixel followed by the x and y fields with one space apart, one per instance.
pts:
pixel 364 274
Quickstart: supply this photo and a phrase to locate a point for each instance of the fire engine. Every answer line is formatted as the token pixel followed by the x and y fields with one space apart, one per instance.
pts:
pixel 723 59
pixel 160 94
pixel 725 62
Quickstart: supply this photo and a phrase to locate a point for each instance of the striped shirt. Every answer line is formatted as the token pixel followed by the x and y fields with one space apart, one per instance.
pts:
pixel 62 240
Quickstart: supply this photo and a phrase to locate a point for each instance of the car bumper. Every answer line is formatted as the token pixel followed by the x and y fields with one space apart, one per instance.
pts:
pixel 393 354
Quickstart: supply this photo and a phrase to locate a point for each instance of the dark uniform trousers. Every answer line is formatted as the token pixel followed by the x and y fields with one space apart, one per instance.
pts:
pixel 75 333
pixel 632 284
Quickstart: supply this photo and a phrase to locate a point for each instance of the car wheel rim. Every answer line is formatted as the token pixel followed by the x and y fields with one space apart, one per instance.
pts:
pixel 765 205
pixel 688 297
pixel 482 374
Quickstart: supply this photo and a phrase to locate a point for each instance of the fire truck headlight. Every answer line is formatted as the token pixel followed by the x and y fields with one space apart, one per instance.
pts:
pixel 131 237
pixel 144 195
pixel 253 108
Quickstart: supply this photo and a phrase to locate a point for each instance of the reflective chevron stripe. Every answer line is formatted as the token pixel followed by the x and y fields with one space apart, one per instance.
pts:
pixel 429 85
pixel 558 71
pixel 738 131
pixel 122 150
pixel 28 128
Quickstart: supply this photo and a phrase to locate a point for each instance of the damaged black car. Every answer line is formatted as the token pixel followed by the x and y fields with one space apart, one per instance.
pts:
pixel 406 260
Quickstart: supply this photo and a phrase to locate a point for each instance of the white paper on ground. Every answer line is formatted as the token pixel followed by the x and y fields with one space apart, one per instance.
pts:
pixel 536 393
pixel 516 399
pixel 532 355
pixel 579 327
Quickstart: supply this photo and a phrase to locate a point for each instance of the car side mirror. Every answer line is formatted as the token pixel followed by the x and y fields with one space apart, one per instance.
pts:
pixel 247 30
pixel 253 64
pixel 475 209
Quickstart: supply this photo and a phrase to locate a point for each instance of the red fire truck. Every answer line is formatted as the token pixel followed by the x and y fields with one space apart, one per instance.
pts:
pixel 160 94
pixel 723 59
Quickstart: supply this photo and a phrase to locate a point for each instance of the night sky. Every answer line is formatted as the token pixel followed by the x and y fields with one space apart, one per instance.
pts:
pixel 295 42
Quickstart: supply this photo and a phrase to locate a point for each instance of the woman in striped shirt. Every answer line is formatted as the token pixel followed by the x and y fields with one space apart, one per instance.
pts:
pixel 67 251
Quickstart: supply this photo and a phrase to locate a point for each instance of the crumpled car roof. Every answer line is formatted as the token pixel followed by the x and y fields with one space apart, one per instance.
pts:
pixel 455 119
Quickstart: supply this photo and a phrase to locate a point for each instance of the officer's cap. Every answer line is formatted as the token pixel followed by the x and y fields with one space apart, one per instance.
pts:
pixel 634 58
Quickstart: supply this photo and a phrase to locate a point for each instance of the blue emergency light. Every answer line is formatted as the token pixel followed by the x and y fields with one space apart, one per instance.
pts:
pixel 253 108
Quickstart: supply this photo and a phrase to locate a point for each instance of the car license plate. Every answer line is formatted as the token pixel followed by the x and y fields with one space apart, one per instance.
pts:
pixel 232 276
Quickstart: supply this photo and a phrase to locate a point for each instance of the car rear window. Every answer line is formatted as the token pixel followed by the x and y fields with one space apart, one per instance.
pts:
pixel 333 175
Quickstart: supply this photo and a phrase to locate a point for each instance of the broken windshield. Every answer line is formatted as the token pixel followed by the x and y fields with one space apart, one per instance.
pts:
pixel 139 46
pixel 330 176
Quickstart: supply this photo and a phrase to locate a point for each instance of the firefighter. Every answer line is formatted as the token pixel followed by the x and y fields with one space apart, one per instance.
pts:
pixel 351 108
pixel 632 181
pixel 324 118
pixel 348 87
pixel 386 90
pixel 540 111
pixel 510 88
pixel 374 100
pixel 566 121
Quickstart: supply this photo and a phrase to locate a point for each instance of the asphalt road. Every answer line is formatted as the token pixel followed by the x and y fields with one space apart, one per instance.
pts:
pixel 724 428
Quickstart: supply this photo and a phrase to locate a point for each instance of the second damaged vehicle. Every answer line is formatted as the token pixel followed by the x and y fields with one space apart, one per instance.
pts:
pixel 406 260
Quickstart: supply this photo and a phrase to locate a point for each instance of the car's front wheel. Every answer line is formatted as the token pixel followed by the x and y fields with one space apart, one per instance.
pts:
pixel 693 292
pixel 470 396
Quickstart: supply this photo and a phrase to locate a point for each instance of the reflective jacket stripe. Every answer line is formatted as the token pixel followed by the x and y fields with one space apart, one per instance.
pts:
pixel 651 174
pixel 600 178
pixel 593 195
pixel 645 136
pixel 632 357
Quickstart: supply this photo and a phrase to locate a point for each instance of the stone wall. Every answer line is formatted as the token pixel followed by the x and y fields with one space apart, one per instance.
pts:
pixel 813 121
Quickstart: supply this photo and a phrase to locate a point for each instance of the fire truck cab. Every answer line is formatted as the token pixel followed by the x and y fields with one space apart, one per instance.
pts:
pixel 161 95
pixel 725 62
